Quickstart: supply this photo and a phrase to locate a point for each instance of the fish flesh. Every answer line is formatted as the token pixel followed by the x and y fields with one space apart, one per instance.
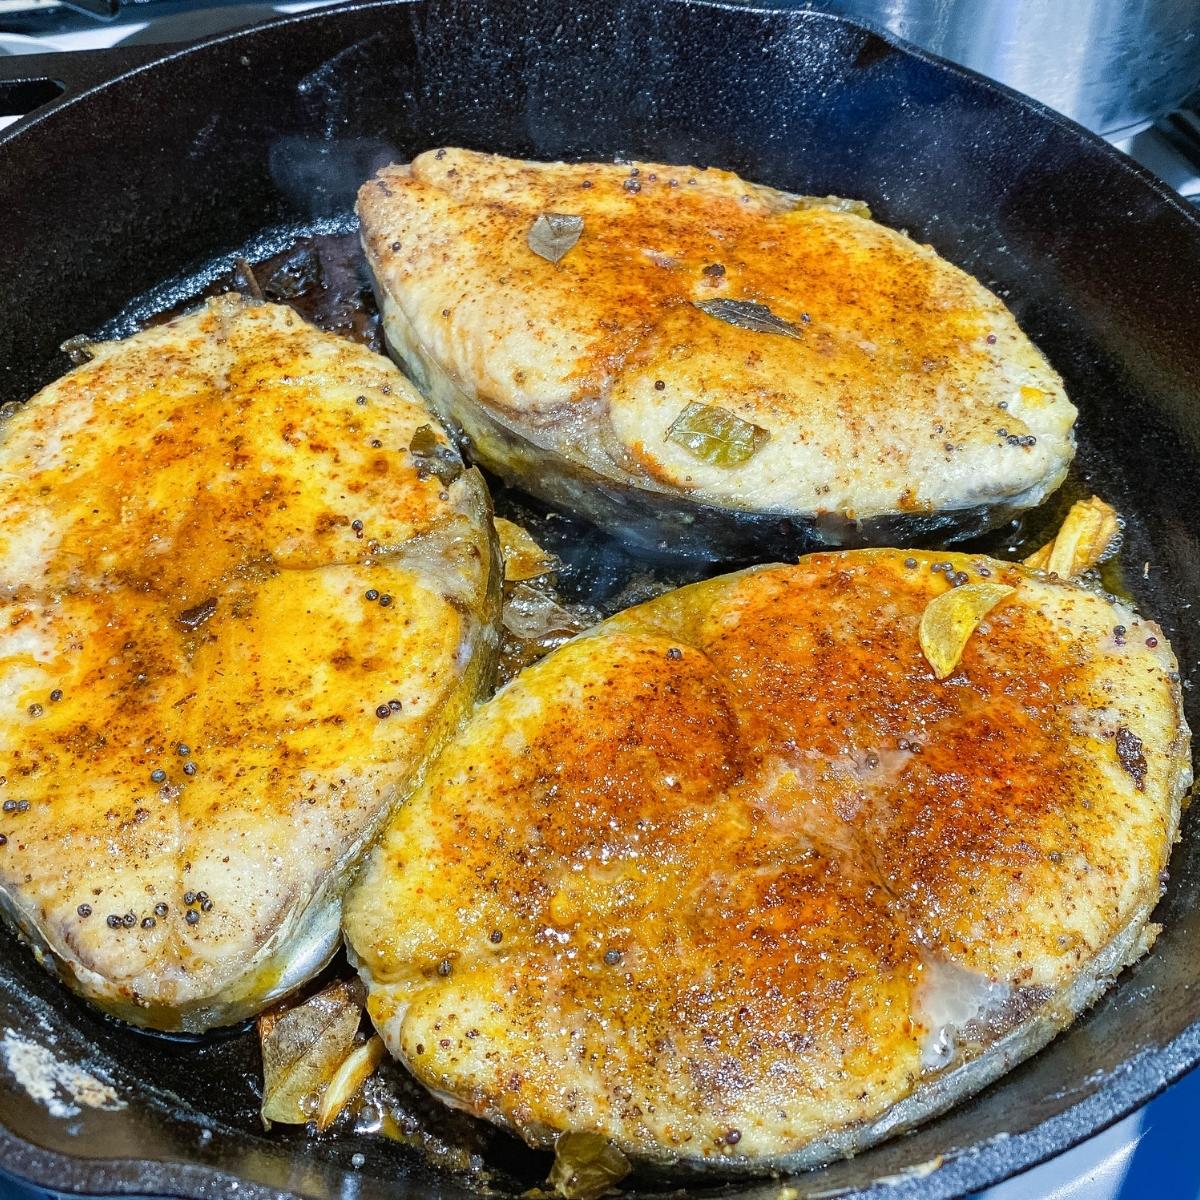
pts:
pixel 709 367
pixel 239 612
pixel 737 882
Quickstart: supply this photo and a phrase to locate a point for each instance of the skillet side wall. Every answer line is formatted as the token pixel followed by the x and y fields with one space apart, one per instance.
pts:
pixel 177 164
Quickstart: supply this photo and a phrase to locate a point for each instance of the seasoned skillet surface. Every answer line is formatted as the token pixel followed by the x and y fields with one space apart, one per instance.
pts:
pixel 248 142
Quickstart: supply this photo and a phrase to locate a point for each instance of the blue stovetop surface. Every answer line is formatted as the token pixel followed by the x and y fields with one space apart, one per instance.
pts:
pixel 1148 1156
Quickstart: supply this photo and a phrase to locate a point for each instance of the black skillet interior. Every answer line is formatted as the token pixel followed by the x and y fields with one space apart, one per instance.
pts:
pixel 235 145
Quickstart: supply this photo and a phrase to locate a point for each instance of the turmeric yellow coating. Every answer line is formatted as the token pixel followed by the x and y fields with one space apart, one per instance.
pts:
pixel 190 754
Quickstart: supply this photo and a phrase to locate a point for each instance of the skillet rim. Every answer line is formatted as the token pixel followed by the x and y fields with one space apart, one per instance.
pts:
pixel 1134 1082
pixel 134 60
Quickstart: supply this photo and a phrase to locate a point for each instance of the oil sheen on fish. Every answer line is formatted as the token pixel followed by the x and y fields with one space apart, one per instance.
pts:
pixel 710 364
pixel 734 881
pixel 238 614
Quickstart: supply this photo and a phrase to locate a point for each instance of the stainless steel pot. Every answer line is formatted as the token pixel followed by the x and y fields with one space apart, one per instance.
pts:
pixel 1112 65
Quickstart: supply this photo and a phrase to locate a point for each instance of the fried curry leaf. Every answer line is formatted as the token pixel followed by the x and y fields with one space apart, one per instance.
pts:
pixel 523 557
pixel 717 436
pixel 746 314
pixel 194 617
pixel 79 349
pixel 434 457
pixel 303 1048
pixel 553 234
pixel 585 1166
pixel 835 204
pixel 533 623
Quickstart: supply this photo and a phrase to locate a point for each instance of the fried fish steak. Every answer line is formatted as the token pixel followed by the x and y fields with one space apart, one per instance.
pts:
pixel 712 363
pixel 191 757
pixel 734 881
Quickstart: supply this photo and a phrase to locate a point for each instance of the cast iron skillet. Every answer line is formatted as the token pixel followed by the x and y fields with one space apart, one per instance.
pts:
pixel 121 198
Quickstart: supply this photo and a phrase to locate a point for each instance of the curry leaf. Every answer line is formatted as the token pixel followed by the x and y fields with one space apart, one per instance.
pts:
pixel 303 1047
pixel 586 1165
pixel 553 234
pixel 746 314
pixel 431 456
pixel 715 435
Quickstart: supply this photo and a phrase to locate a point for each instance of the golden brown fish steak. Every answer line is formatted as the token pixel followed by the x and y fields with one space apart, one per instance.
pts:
pixel 702 363
pixel 734 880
pixel 237 614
